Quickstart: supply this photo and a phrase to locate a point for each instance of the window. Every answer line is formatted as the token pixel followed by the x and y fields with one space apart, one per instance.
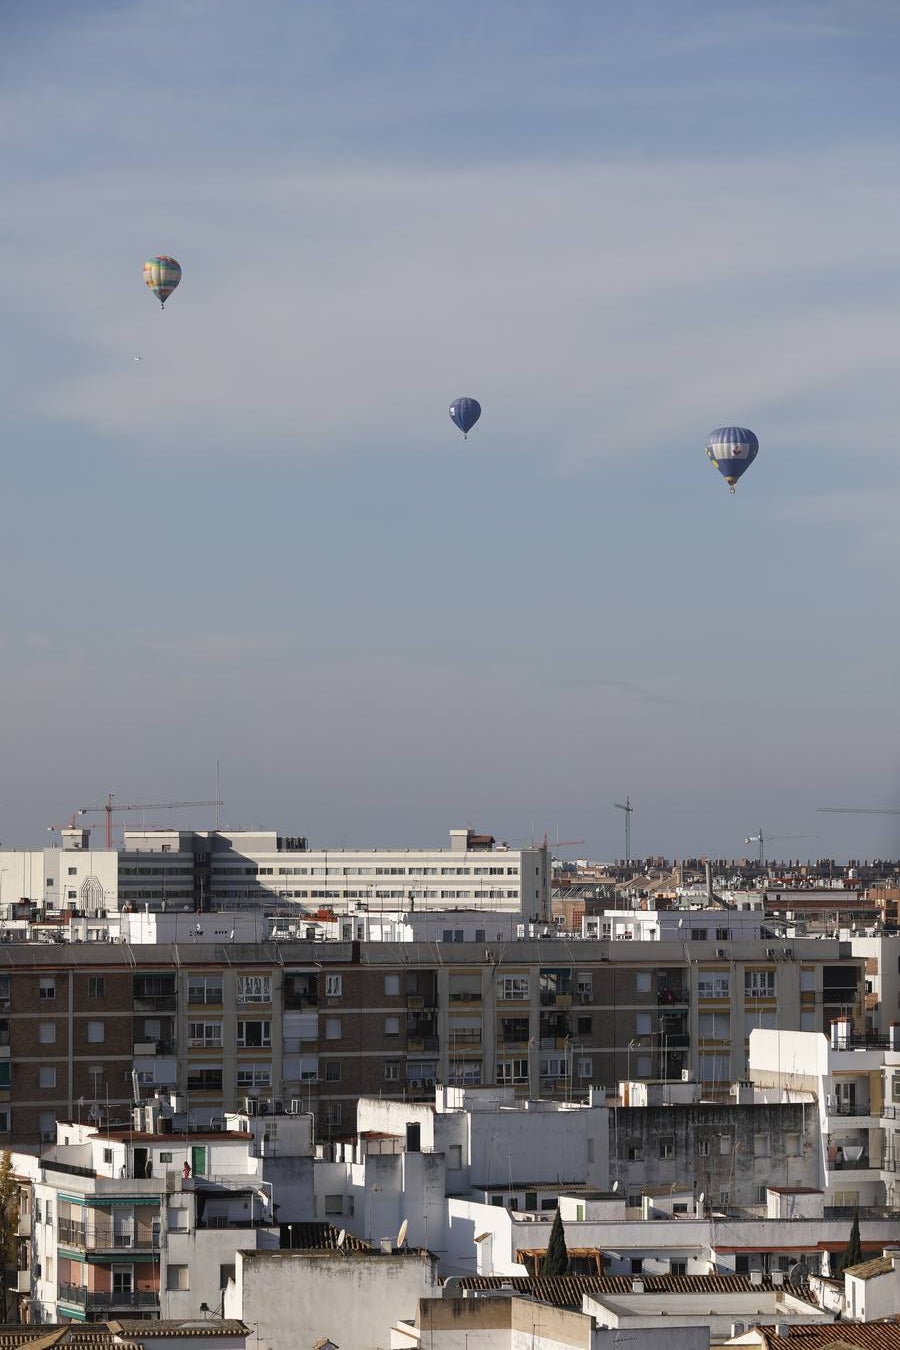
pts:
pixel 96 986
pixel 203 1079
pixel 585 1068
pixel 165 1157
pixel 792 1147
pixel 635 1150
pixel 71 871
pixel 761 1196
pixel 47 1033
pixel 254 1075
pixel 205 1033
pixel 122 1279
pixel 177 1277
pixel 226 1273
pixel 584 1025
pixel 761 1146
pixel 698 934
pixel 332 1071
pixel 254 989
pixel 334 1113
pixel 334 1204
pixel 637 1265
pixel 333 986
pixel 703 1148
pixel 48 986
pixel 667 1146
pixel 96 1032
pixel 47 1076
pixel 204 989
pixel 454 1156
pixel 759 984
pixel 642 1024
pixel 714 1026
pixel 642 981
pixel 255 1035
pixel 677 1267
pixel 724 1144
pixel 392 985
pixel 723 934
pixel 392 1026
pixel 713 984
pixel 332 1028
pixel 512 988
pixel 392 1070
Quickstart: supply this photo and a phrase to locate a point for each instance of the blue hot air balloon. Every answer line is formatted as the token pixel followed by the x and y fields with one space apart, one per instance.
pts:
pixel 732 450
pixel 465 412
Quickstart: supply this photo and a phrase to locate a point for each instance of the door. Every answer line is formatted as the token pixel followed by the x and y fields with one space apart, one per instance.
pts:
pixel 198 1160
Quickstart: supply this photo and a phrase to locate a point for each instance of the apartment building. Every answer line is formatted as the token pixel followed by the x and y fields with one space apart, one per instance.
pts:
pixel 324 1023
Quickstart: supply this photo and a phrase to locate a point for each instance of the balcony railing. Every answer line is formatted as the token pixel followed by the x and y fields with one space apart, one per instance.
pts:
pixel 156 1003
pixel 104 1237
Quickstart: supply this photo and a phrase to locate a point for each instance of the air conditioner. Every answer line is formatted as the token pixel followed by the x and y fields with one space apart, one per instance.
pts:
pixel 721 953
pixel 429 1082
pixel 415 1084
pixel 771 953
pixel 685 1075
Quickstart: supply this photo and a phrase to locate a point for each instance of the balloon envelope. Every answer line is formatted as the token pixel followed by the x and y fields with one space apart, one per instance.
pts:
pixel 732 450
pixel 162 275
pixel 465 412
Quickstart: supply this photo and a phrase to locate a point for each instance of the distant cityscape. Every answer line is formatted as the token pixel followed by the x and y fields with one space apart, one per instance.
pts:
pixel 235 1069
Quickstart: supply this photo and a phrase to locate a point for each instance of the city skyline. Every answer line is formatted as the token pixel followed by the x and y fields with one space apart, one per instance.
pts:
pixel 265 543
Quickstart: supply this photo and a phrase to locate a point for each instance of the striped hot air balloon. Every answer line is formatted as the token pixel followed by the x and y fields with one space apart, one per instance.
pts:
pixel 732 450
pixel 465 412
pixel 162 275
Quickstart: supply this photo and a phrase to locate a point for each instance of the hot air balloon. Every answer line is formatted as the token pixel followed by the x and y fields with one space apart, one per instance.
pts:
pixel 465 412
pixel 732 450
pixel 162 275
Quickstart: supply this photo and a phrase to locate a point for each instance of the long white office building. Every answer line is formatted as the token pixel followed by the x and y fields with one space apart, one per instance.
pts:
pixel 201 870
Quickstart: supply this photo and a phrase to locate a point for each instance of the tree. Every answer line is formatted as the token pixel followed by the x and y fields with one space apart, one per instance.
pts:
pixel 9 1224
pixel 853 1251
pixel 556 1262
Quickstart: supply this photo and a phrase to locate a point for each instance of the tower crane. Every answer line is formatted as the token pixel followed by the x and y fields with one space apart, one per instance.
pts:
pixel 763 839
pixel 861 810
pixel 629 811
pixel 108 810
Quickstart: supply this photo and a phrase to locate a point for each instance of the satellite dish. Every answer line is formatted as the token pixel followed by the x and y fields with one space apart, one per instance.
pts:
pixel 700 1198
pixel 401 1236
pixel 342 1237
pixel 798 1275
pixel 615 1186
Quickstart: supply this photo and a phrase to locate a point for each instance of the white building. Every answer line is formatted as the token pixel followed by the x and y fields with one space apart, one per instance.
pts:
pixel 857 1091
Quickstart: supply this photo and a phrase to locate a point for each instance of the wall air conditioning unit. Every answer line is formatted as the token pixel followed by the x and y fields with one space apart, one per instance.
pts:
pixel 429 1082
pixel 721 954
pixel 685 1075
pixel 415 1084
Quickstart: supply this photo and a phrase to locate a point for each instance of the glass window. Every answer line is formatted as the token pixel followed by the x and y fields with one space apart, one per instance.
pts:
pixel 96 986
pixel 96 1032
pixel 47 1076
pixel 391 985
pixel 48 986
pixel 47 1033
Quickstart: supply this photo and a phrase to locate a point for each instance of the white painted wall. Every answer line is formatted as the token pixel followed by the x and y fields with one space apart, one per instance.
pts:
pixel 353 1300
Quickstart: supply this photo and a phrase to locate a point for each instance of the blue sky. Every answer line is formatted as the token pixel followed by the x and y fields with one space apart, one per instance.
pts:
pixel 618 226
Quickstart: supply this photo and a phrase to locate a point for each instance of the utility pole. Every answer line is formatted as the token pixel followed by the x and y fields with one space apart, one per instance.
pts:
pixel 628 809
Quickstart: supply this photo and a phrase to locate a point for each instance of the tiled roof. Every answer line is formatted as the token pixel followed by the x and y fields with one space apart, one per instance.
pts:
pixel 869 1335
pixel 322 1237
pixel 180 1327
pixel 867 1270
pixel 565 1291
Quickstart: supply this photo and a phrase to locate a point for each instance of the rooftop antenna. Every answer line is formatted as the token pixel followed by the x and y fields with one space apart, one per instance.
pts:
pixel 628 809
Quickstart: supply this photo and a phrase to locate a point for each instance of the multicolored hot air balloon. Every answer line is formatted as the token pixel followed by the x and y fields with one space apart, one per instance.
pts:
pixel 162 275
pixel 465 412
pixel 732 450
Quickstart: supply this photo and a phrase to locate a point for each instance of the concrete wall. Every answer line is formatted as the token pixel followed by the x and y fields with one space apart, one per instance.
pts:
pixel 353 1300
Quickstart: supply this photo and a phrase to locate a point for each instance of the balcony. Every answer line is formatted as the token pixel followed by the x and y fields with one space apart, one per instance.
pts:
pixel 465 996
pixel 80 1297
pixel 670 994
pixel 105 1238
pixel 154 1003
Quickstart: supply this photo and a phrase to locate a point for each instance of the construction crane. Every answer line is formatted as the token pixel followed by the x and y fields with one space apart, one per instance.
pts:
pixel 861 810
pixel 108 810
pixel 763 839
pixel 629 811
